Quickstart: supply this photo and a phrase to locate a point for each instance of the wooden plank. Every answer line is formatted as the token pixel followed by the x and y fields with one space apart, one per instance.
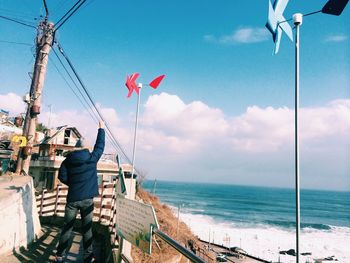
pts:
pixel 49 197
pixel 48 211
pixel 49 204
pixel 101 202
pixel 42 203
pixel 103 206
pixel 56 201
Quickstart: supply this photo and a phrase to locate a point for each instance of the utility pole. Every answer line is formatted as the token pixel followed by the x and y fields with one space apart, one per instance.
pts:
pixel 44 41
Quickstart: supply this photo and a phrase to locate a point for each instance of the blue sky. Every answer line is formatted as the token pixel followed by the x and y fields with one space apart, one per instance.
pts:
pixel 214 52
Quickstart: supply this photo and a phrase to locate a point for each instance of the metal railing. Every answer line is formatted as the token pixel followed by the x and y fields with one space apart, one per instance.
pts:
pixel 52 202
pixel 184 251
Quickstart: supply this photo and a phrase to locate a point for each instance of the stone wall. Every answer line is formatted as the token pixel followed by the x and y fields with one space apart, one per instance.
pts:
pixel 19 220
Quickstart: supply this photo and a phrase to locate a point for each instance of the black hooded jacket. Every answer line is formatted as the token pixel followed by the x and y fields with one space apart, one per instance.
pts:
pixel 79 171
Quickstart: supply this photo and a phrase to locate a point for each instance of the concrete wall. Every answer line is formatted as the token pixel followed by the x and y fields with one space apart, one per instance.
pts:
pixel 19 220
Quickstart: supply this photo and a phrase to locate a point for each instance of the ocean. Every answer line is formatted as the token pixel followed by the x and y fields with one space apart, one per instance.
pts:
pixel 261 220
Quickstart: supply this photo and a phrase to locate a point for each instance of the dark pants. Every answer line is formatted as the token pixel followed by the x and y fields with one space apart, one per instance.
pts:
pixel 86 208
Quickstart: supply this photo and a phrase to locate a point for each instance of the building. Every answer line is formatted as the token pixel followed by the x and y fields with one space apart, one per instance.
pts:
pixel 45 164
pixel 9 125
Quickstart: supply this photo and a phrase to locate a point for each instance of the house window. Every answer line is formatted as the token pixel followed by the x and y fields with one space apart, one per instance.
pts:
pixel 66 136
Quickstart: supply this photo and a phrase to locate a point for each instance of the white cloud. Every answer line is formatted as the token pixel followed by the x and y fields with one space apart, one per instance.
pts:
pixel 174 117
pixel 180 141
pixel 262 129
pixel 13 103
pixel 255 147
pixel 336 38
pixel 245 35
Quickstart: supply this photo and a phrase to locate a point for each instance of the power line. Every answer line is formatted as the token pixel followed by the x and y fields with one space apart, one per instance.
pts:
pixel 16 21
pixel 93 104
pixel 89 3
pixel 116 145
pixel 77 5
pixel 86 104
pixel 46 10
pixel 59 6
pixel 17 43
pixel 66 81
pixel 68 12
pixel 17 13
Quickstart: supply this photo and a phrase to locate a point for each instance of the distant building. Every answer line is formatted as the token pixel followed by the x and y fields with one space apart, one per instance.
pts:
pixel 8 125
pixel 45 164
pixel 4 114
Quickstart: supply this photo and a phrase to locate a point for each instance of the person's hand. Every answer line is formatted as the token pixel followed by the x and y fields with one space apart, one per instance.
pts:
pixel 101 124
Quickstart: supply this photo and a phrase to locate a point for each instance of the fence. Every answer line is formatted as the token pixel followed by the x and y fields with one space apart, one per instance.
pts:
pixel 52 203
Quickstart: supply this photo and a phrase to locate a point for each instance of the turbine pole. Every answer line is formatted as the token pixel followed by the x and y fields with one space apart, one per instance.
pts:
pixel 135 134
pixel 297 19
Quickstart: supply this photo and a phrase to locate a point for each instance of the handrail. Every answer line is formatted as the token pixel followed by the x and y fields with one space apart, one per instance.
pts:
pixel 188 254
pixel 125 259
pixel 42 202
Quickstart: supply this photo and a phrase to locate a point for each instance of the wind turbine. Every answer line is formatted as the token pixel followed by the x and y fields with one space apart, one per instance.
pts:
pixel 276 25
pixel 133 86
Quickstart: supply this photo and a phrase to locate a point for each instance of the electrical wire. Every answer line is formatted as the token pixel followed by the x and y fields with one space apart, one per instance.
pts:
pixel 58 7
pixel 85 105
pixel 46 10
pixel 17 43
pixel 70 13
pixel 16 21
pixel 91 112
pixel 87 4
pixel 71 78
pixel 93 104
pixel 70 87
pixel 16 13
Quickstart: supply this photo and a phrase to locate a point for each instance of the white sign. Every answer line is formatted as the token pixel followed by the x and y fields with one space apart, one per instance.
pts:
pixel 135 221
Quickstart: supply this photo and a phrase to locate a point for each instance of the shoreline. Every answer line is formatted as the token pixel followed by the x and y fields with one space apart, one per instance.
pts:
pixel 260 220
pixel 266 243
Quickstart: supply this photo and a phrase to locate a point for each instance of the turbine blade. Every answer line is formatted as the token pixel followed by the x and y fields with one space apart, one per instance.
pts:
pixel 129 93
pixel 271 24
pixel 334 7
pixel 287 29
pixel 278 40
pixel 280 5
pixel 155 83
pixel 137 89
pixel 134 77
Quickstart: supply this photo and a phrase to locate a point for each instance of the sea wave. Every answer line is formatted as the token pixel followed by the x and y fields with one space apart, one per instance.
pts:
pixel 266 240
pixel 291 224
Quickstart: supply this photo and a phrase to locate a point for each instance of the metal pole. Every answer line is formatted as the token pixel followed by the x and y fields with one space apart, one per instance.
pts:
pixel 135 134
pixel 297 18
pixel 120 249
pixel 178 220
pixel 49 122
pixel 188 254
pixel 154 186
pixel 209 240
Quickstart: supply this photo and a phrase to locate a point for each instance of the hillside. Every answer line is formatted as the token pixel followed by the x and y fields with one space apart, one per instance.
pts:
pixel 162 252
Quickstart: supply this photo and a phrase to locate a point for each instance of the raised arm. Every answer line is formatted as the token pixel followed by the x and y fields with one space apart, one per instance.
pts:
pixel 100 143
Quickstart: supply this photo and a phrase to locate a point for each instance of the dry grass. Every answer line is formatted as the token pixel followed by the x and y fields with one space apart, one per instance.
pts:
pixel 168 224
